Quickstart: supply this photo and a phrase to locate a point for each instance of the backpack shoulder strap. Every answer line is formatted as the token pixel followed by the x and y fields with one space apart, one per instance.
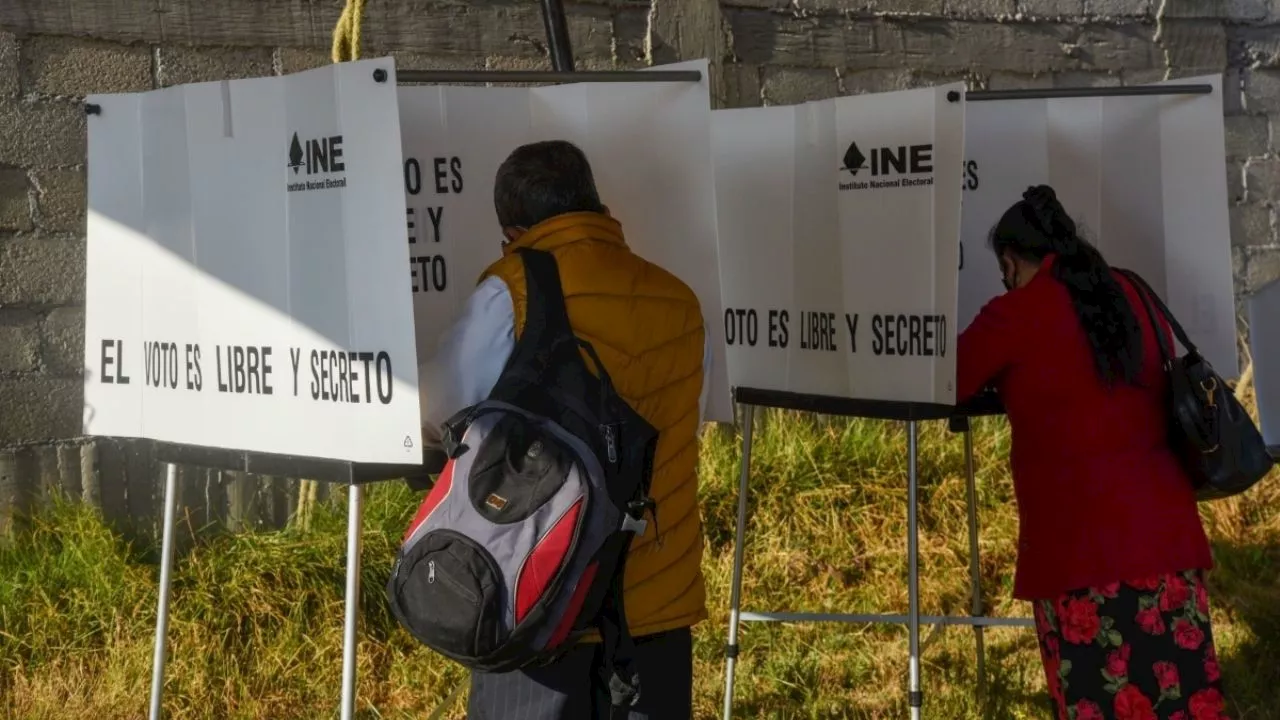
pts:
pixel 546 315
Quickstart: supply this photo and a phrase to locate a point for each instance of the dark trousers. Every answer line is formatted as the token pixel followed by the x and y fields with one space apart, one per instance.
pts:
pixel 572 688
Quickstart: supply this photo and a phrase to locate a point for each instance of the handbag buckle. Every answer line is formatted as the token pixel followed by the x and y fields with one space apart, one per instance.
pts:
pixel 1210 386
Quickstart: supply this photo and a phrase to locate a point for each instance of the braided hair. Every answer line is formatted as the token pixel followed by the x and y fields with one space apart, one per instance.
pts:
pixel 1038 226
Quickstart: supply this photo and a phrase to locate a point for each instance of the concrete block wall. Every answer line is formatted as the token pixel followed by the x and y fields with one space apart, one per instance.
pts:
pixel 53 52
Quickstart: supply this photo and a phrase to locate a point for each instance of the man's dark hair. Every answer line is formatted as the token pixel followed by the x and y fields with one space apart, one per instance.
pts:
pixel 541 180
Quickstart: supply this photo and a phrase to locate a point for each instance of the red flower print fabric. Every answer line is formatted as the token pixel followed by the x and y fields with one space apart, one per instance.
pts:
pixel 1134 650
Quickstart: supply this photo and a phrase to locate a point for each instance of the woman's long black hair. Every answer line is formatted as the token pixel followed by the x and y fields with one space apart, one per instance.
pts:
pixel 1037 226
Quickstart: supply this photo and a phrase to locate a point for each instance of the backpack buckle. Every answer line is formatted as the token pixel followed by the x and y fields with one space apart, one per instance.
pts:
pixel 633 520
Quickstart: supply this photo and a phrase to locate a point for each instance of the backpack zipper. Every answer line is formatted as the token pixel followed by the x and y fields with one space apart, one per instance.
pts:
pixel 610 444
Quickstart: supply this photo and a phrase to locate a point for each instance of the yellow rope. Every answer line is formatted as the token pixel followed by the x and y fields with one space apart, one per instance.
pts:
pixel 346 34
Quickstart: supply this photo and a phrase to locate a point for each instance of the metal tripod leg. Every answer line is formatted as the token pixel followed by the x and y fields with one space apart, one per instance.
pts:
pixel 975 568
pixel 166 567
pixel 355 507
pixel 914 694
pixel 735 593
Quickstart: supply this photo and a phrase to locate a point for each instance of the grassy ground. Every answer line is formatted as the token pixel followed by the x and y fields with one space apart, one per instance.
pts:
pixel 256 626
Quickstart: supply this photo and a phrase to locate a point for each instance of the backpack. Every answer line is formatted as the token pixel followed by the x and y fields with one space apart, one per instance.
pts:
pixel 520 547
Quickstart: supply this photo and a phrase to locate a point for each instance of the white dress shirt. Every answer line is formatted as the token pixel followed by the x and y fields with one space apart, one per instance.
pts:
pixel 471 355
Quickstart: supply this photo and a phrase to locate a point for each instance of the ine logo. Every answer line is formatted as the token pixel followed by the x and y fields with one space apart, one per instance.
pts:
pixel 888 167
pixel 317 156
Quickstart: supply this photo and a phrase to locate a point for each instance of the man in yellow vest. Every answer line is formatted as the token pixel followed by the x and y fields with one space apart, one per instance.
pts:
pixel 646 325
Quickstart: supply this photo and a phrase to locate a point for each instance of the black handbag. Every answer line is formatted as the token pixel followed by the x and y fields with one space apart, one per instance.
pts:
pixel 1220 447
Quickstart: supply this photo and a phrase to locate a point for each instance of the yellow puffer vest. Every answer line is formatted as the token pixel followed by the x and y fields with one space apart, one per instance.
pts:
pixel 646 325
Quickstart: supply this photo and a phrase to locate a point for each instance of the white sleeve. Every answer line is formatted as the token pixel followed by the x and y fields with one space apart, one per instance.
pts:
pixel 706 377
pixel 470 355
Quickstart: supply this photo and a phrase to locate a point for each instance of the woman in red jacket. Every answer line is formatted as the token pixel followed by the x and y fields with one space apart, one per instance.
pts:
pixel 1111 551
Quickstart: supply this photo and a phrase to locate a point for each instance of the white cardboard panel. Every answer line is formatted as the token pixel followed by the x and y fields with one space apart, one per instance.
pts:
pixel 1264 346
pixel 1141 175
pixel 649 145
pixel 221 251
pixel 862 255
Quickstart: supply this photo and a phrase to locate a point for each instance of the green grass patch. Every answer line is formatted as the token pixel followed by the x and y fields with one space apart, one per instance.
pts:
pixel 256 625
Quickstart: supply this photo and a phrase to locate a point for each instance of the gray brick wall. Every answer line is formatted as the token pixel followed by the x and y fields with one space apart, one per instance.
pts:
pixel 52 52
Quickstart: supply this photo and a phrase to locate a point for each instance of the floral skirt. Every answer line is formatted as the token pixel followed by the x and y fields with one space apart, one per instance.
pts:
pixel 1139 650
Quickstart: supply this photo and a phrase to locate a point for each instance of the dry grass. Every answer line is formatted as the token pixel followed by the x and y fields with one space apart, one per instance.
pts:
pixel 256 627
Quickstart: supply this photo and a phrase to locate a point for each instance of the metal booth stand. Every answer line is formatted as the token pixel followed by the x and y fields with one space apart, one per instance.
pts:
pixel 911 414
pixel 355 475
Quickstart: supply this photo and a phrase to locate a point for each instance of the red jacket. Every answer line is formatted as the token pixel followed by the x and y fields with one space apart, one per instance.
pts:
pixel 1101 497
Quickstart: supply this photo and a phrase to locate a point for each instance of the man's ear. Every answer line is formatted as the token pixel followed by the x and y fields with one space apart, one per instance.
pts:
pixel 605 209
pixel 513 233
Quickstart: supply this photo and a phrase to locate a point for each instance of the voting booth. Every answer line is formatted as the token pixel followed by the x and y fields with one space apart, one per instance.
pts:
pixel 853 246
pixel 1264 345
pixel 268 258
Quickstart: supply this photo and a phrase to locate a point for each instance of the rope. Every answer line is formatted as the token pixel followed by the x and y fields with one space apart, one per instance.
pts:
pixel 346 34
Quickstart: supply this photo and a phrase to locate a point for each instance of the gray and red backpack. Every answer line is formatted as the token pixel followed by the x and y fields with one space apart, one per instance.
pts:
pixel 519 549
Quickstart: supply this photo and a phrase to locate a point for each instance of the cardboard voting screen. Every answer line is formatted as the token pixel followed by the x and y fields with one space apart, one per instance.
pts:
pixel 650 151
pixel 838 244
pixel 246 255
pixel 1143 178
pixel 1264 346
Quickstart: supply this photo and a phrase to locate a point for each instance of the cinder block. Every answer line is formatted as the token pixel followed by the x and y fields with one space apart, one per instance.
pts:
pixel 292 60
pixel 419 61
pixel 1124 47
pixel 62 348
pixel 857 82
pixel 1262 179
pixel 15 200
pixel 630 31
pixel 765 38
pixel 1108 9
pixel 61 198
pixel 1147 76
pixel 590 32
pixel 56 65
pixel 8 64
pixel 1246 136
pixel 41 133
pixel 981 9
pixel 42 271
pixel 182 65
pixel 1251 225
pixel 928 8
pixel 741 86
pixel 1262 91
pixel 1195 44
pixel 1263 266
pixel 1002 80
pixel 1051 8
pixel 1081 78
pixel 962 46
pixel 1235 182
pixel 39 408
pixel 1216 9
pixel 19 341
pixel 128 20
pixel 1255 46
pixel 789 86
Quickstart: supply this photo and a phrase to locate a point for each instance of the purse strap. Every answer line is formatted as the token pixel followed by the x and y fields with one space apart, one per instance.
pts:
pixel 1149 296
